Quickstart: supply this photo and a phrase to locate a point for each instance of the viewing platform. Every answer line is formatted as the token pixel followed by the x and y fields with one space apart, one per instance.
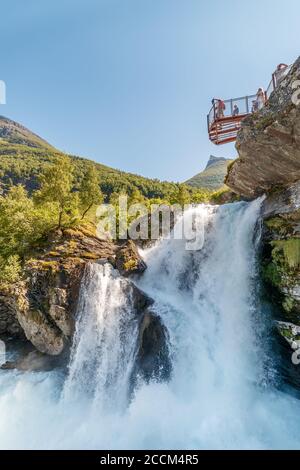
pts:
pixel 225 116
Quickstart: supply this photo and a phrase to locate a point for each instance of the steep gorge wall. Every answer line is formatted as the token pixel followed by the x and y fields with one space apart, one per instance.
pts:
pixel 269 163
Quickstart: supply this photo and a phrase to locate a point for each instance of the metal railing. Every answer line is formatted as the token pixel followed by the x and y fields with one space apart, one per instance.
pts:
pixel 246 104
pixel 277 78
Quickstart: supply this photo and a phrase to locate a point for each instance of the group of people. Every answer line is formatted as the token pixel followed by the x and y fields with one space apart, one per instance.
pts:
pixel 220 109
pixel 260 99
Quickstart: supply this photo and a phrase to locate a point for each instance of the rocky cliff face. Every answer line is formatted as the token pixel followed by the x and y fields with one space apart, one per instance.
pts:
pixel 41 309
pixel 269 144
pixel 269 163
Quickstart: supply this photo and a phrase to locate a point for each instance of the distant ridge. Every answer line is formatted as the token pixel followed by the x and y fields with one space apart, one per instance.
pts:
pixel 14 133
pixel 212 178
pixel 24 155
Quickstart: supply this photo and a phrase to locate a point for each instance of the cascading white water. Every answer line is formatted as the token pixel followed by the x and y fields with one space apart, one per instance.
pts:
pixel 219 395
pixel 104 345
pixel 210 293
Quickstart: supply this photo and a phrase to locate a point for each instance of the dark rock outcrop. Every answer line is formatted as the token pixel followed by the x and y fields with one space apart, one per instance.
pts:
pixel 269 144
pixel 128 261
pixel 153 360
pixel 9 324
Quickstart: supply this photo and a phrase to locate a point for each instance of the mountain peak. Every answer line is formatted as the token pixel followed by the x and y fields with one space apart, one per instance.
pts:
pixel 212 177
pixel 214 160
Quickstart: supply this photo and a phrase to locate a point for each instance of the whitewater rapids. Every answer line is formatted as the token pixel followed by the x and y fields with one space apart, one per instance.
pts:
pixel 224 391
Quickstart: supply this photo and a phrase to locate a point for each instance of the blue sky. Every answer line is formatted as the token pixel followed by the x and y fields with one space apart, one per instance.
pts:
pixel 129 82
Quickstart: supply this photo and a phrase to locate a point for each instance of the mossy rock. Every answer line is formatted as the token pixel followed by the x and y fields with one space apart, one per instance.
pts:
pixel 282 271
pixel 288 304
pixel 278 225
pixel 264 122
pixel 89 255
pixel 43 265
pixel 128 260
pixel 285 225
pixel 290 249
pixel 54 254
pixel 289 331
pixel 130 264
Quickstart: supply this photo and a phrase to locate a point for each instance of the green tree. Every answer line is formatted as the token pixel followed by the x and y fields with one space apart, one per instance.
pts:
pixel 17 231
pixel 10 269
pixel 16 222
pixel 199 196
pixel 56 187
pixel 136 197
pixel 89 191
pixel 181 195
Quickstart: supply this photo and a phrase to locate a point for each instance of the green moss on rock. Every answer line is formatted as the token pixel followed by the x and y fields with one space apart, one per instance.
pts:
pixel 290 250
pixel 130 264
pixel 278 225
pixel 288 304
pixel 282 271
pixel 271 273
pixel 264 122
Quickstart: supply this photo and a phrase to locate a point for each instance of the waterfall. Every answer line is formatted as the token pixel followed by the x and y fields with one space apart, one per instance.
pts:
pixel 104 345
pixel 222 392
pixel 207 299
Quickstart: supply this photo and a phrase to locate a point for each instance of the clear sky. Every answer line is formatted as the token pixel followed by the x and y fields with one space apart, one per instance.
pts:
pixel 129 82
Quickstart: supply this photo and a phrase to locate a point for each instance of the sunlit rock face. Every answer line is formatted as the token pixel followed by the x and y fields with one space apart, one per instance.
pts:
pixel 269 143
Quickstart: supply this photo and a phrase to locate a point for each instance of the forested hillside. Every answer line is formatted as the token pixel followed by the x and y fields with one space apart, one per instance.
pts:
pixel 43 189
pixel 24 155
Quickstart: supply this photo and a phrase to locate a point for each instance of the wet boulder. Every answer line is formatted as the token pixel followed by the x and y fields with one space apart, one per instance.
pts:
pixel 153 360
pixel 128 260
